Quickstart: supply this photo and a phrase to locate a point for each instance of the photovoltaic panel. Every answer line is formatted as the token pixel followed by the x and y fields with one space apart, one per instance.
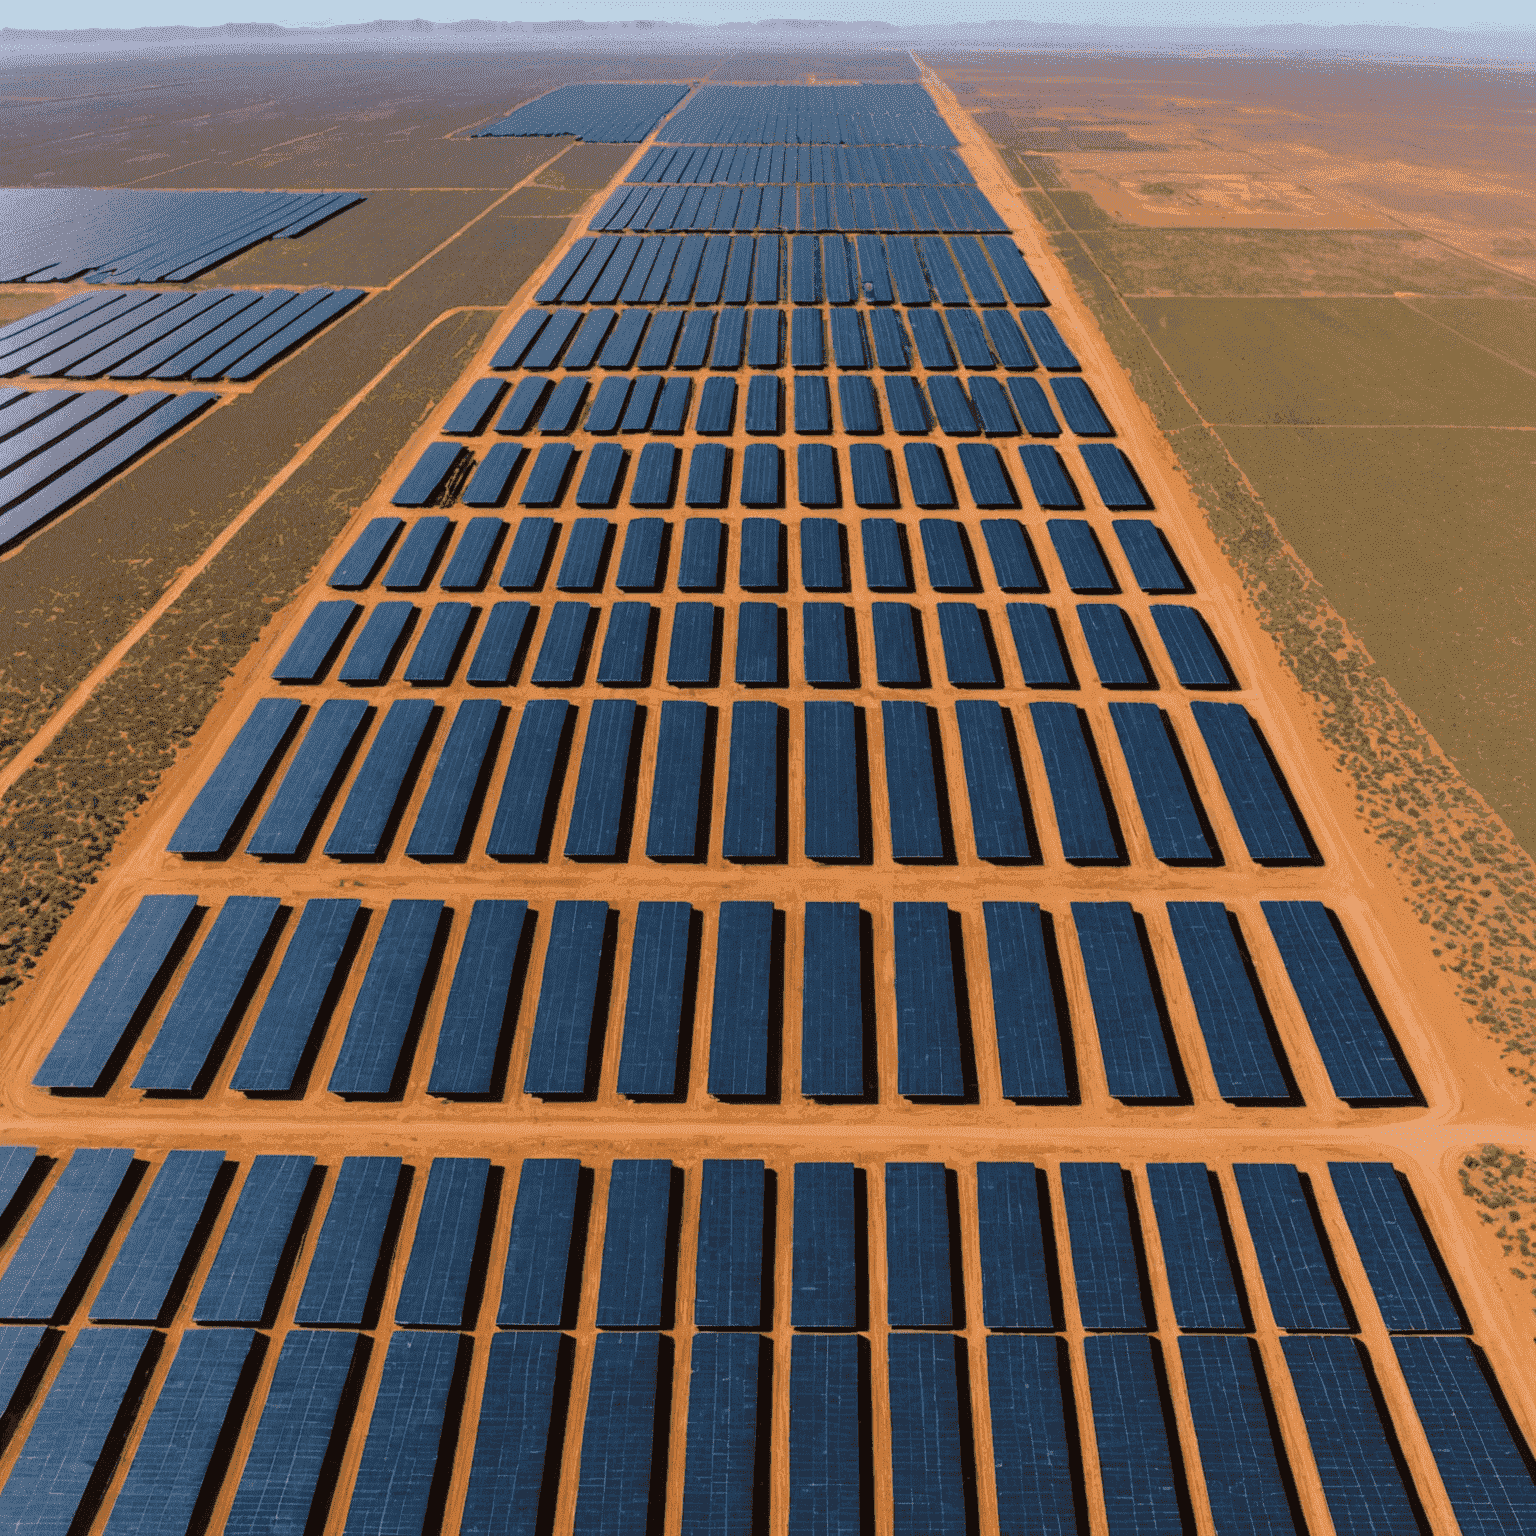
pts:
pixel 885 561
pixel 229 791
pixel 469 416
pixel 597 812
pixel 927 1466
pixel 1167 803
pixel 1029 1019
pixel 754 792
pixel 140 1280
pixel 1105 1258
pixel 435 1290
pixel 563 650
pixel 998 821
pixel 537 1278
pixel 479 1006
pixel 1350 1033
pixel 618 1447
pixel 417 553
pixel 1014 270
pixel 918 1247
pixel 1130 1423
pixel 869 465
pixel 757 644
pixel 344 1271
pixel 930 1063
pixel 1118 485
pixel 436 653
pixel 742 1012
pixel 1012 1229
pixel 917 816
pixel 762 475
pixel 659 973
pixel 373 652
pixel 1147 553
pixel 518 828
pixel 512 1443
pixel 1303 1293
pixel 1112 642
pixel 832 1001
pixel 1194 653
pixel 720 1470
pixel 833 791
pixel 636 1257
pixel 426 479
pixel 562 1026
pixel 1246 1479
pixel 1037 640
pixel 498 656
pixel 625 645
pixel 1400 1260
pixel 444 820
pixel 1082 807
pixel 826 1244
pixel 369 809
pixel 827 1405
pixel 1201 1273
pixel 967 649
pixel 1138 1063
pixel 524 570
pixel 307 658
pixel 242 1284
pixel 1261 804
pixel 16 1164
pixel 1031 1445
pixel 728 1290
pixel 1233 1023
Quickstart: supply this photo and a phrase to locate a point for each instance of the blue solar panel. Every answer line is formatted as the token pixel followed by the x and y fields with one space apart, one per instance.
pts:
pixel 827 1406
pixel 870 468
pixel 394 1484
pixel 369 809
pixel 164 1484
pixel 1135 1438
pixel 1271 828
pixel 231 789
pixel 1014 270
pixel 1013 1225
pixel 928 1471
pixel 43 1265
pixel 720 1471
pixel 640 563
pixel 828 646
pixel 990 402
pixel 717 407
pixel 1147 553
pixel 512 1444
pixel 827 1241
pixel 708 485
pixel 300 996
pixel 907 409
pixel 815 463
pixel 373 652
pixel 1192 649
pixel 742 1011
pixel 833 1002
pixel 315 644
pixel 289 1455
pixel 600 479
pixel 1037 640
pixel 589 339
pixel 608 406
pixel 362 559
pixel 373 1052
pixel 469 1040
pixel 998 821
pixel 636 1251
pixel 1232 1019
pixel 245 1280
pixel 849 348
pixel 523 408
pixel 821 555
pixel 1083 812
pixel 1138 1063
pixel 1048 477
pixel 469 416
pixel 519 830
pixel 1112 642
pixel 930 1062
pixel 139 1283
pixel 985 475
pixel 435 1290
pixel 1351 1035
pixel 1105 1255
pixel 730 1276
pixel 340 1289
pixel 413 563
pixel 1029 400
pixel 967 646
pixel 917 814
pixel 562 1026
pixel 541 1266
pixel 659 973
pixel 444 820
pixel 427 476
pixel 1352 1443
pixel 466 571
pixel 526 559
pixel 1201 1271
pixel 951 405
pixel 209 996
pixel 1287 1237
pixel 1082 560
pixel 1047 340
pixel 673 830
pixel 1032 1448
pixel 597 814
pixel 762 478
pixel 807 341
pixel 947 554
pixel 754 794
pixel 626 645
pixel 1399 1256
pixel 563 652
pixel 546 481
pixel 16 1165
pixel 919 1247
pixel 1246 1479
pixel 56 1466
pixel 618 1440
pixel 1167 802
pixel 885 560
pixel 1118 485
pixel 833 792
pixel 1030 1020
pixel 691 653
pixel 586 550
pixel 757 644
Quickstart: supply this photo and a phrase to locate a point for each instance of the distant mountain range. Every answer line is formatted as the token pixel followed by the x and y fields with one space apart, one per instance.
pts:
pixel 1401 44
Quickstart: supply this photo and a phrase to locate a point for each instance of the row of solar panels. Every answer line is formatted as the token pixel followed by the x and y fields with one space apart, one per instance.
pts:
pixel 950 558
pixel 1010 1213
pixel 809 114
pixel 1036 1051
pixel 698 647
pixel 600 113
pixel 750 165
pixel 58 445
pixel 214 334
pixel 443 473
pixel 514 1448
pixel 713 269
pixel 58 234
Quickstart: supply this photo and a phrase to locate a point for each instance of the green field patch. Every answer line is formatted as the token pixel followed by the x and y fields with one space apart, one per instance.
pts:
pixel 587 166
pixel 1345 361
pixel 1199 262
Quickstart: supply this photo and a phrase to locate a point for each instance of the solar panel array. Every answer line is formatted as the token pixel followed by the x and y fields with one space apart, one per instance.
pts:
pixel 600 114
pixel 60 234
pixel 868 1258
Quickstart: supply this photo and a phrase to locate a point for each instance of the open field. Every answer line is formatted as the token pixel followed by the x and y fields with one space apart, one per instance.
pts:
pixel 1281 370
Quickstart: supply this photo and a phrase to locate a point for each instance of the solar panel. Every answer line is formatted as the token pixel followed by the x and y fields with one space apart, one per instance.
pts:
pixel 395 1477
pixel 546 481
pixel 1048 477
pixel 1246 1479
pixel 807 340
pixel 1106 1260
pixel 1082 560
pixel 885 561
pixel 827 1405
pixel 1047 341
pixel 815 463
pixel 984 474
pixel 586 550
pixel 373 652
pixel 1202 1274
pixel 828 1238
pixel 1112 642
pixel 1136 1442
pixel 512 1443
pixel 673 831
pixel 435 1290
pixel 428 475
pixel 967 646
pixel 563 651
pixel 520 829
pixel 833 789
pixel 608 406
pixel 618 1448
pixel 315 644
pixel 1196 658
pixel 930 1062
pixel 1029 1017
pixel 597 814
pixel 1151 561
pixel 951 406
pixel 906 407
pixel 708 484
pixel 1013 1225
pixel 821 555
pixel 436 653
pixel 1168 807
pixel 417 554
pixel 636 1257
pixel 244 1283
pixel 522 410
pixel 869 466
pixel 1083 812
pixel 469 1041
pixel 1287 1237
pixel 541 1263
pixel 918 818
pixel 1138 1061
pixel 754 794
pixel 1271 828
pixel 1038 643
pixel 998 821
pixel 762 476
pixel 1352 1443
pixel 758 644
pixel 989 399
pixel 1032 1448
pixel 1399 1255
pixel 600 479
pixel 43 1265
pixel 299 998
pixel 16 1166
pixel 919 1247
pixel 164 1483
pixel 1014 270
pixel 720 1485
pixel 832 1002
pixel 743 1008
pixel 444 820
pixel 1351 1036
pixel 469 416
pixel 730 1277
pixel 526 559
pixel 139 1283
pixel 209 995
pixel 928 1471
pixel 57 1463
pixel 626 645
pixel 289 1454
pixel 640 563
pixel 948 556
pixel 568 996
pixel 1117 482
pixel 340 1290
pixel 368 812
pixel 856 398
pixel 660 970
pixel 357 566
pixel 230 791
